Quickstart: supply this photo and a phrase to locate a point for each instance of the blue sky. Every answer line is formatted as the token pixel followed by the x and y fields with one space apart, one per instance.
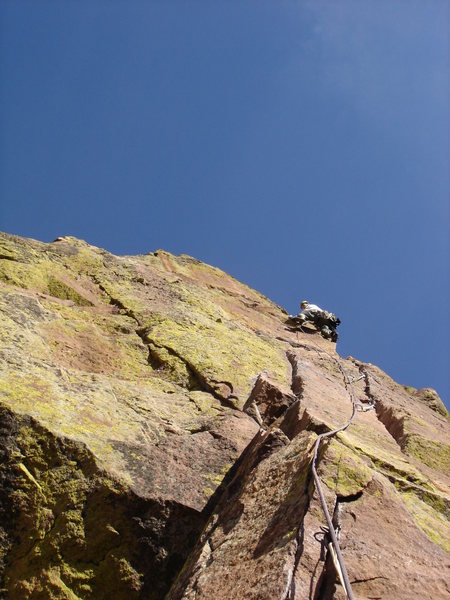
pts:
pixel 302 147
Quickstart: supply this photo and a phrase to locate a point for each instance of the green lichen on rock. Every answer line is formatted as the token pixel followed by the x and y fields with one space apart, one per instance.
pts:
pixel 121 380
pixel 343 471
pixel 388 461
pixel 435 455
pixel 46 498
pixel 430 397
pixel 432 522
pixel 71 532
pixel 409 388
pixel 61 290
pixel 223 356
pixel 171 366
pixel 191 320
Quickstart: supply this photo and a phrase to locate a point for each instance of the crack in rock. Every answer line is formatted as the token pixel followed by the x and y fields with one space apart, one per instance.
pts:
pixel 116 302
pixel 221 390
pixel 267 402
pixel 7 257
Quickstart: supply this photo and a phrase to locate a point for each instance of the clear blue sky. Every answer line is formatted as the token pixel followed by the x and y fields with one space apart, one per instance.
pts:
pixel 301 146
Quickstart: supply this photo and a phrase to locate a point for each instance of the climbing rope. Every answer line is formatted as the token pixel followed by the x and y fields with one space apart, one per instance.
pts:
pixel 342 571
pixel 335 550
pixel 333 546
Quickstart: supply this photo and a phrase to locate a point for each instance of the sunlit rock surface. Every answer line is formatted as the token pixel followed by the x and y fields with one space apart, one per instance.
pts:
pixel 132 392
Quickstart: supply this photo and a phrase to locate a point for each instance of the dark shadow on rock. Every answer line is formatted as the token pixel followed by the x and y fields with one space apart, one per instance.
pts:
pixel 271 401
pixel 298 419
pixel 132 546
pixel 225 504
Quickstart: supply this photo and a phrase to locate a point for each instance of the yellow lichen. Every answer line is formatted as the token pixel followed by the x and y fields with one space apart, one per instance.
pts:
pixel 343 471
pixel 435 455
pixel 431 522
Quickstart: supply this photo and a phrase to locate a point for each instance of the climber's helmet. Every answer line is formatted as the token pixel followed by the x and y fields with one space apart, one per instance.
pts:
pixel 304 303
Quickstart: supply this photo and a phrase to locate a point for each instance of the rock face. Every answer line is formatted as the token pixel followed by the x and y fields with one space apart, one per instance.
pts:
pixel 157 425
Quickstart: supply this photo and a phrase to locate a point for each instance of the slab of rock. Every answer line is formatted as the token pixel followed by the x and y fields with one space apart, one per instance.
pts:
pixel 157 424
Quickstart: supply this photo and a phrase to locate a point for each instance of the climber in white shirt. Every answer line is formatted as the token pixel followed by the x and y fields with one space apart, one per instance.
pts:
pixel 322 319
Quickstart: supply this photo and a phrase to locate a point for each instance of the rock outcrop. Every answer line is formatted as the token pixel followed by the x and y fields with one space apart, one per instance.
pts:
pixel 157 426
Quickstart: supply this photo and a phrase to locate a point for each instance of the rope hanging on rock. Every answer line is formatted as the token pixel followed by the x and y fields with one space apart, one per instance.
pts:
pixel 337 556
pixel 334 540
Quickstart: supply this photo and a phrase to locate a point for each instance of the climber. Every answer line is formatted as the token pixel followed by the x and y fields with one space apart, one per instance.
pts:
pixel 322 319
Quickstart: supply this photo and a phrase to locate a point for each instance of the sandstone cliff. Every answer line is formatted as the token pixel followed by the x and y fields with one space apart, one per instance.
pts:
pixel 132 391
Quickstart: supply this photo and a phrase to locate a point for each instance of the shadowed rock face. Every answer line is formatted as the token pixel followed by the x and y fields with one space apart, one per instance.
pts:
pixel 157 424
